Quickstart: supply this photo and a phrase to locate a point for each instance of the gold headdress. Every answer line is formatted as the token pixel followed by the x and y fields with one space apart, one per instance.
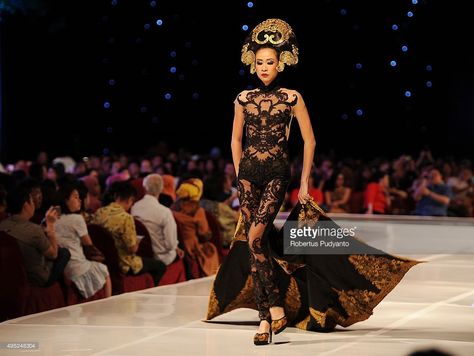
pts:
pixel 274 33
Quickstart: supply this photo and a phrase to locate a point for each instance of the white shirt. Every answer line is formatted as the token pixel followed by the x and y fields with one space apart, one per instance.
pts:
pixel 69 230
pixel 161 225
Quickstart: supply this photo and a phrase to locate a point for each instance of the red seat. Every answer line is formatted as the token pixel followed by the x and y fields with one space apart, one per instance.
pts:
pixel 138 185
pixel 175 272
pixel 356 202
pixel 121 283
pixel 17 296
pixel 144 249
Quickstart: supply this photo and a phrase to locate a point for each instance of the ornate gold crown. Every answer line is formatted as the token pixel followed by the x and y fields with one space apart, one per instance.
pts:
pixel 274 33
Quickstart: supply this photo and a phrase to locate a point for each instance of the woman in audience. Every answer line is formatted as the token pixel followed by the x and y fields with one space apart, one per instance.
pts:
pixel 193 226
pixel 168 194
pixel 71 230
pixel 93 193
pixel 337 198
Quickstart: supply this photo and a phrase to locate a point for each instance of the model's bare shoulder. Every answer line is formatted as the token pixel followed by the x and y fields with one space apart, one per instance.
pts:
pixel 241 98
pixel 293 95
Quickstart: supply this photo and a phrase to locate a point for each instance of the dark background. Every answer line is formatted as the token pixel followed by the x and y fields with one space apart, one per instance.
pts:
pixel 61 61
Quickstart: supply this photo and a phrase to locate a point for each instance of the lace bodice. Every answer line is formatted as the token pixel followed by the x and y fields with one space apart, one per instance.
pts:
pixel 267 115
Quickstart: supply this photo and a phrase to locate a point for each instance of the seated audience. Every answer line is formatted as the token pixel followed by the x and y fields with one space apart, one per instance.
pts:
pixel 432 195
pixel 71 230
pixel 193 226
pixel 376 195
pixel 337 197
pixel 159 221
pixel 44 260
pixel 115 218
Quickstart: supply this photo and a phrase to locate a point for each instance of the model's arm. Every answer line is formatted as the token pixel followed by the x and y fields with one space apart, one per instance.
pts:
pixel 237 130
pixel 301 114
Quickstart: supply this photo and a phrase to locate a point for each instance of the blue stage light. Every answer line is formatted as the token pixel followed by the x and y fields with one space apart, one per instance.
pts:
pixel 245 27
pixel 395 27
pixel 429 84
pixel 146 26
pixel 343 12
pixel 393 63
pixel 250 4
pixel 152 3
pixel 111 82
pixel 159 22
pixel 106 105
pixel 414 2
pixel 407 93
pixel 410 14
pixel 168 96
pixel 359 112
pixel 358 65
pixel 429 68
pixel 173 54
pixel 173 69
pixel 404 48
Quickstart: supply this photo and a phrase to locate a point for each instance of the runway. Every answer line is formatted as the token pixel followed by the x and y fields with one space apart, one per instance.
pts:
pixel 433 306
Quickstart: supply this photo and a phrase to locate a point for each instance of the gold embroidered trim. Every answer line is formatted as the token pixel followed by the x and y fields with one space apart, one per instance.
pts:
pixel 292 300
pixel 213 306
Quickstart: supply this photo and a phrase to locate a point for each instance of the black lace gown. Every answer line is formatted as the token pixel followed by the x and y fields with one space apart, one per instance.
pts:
pixel 264 174
pixel 317 292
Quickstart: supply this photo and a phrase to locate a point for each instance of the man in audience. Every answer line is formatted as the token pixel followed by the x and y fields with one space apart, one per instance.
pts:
pixel 44 260
pixel 159 221
pixel 34 188
pixel 115 218
pixel 432 195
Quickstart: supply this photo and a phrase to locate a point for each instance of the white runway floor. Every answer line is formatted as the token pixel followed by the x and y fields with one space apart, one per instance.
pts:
pixel 433 306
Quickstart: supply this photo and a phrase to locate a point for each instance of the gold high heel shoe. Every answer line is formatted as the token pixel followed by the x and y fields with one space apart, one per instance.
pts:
pixel 263 338
pixel 279 325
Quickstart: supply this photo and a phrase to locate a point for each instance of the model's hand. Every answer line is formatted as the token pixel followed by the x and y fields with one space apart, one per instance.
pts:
pixel 303 195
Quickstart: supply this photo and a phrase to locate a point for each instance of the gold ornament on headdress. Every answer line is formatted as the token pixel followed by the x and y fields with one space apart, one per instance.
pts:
pixel 275 33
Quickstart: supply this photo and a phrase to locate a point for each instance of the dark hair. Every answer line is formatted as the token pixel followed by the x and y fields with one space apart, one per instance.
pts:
pixel 31 183
pixel 63 194
pixel 120 190
pixel 17 198
pixel 377 176
pixel 213 187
